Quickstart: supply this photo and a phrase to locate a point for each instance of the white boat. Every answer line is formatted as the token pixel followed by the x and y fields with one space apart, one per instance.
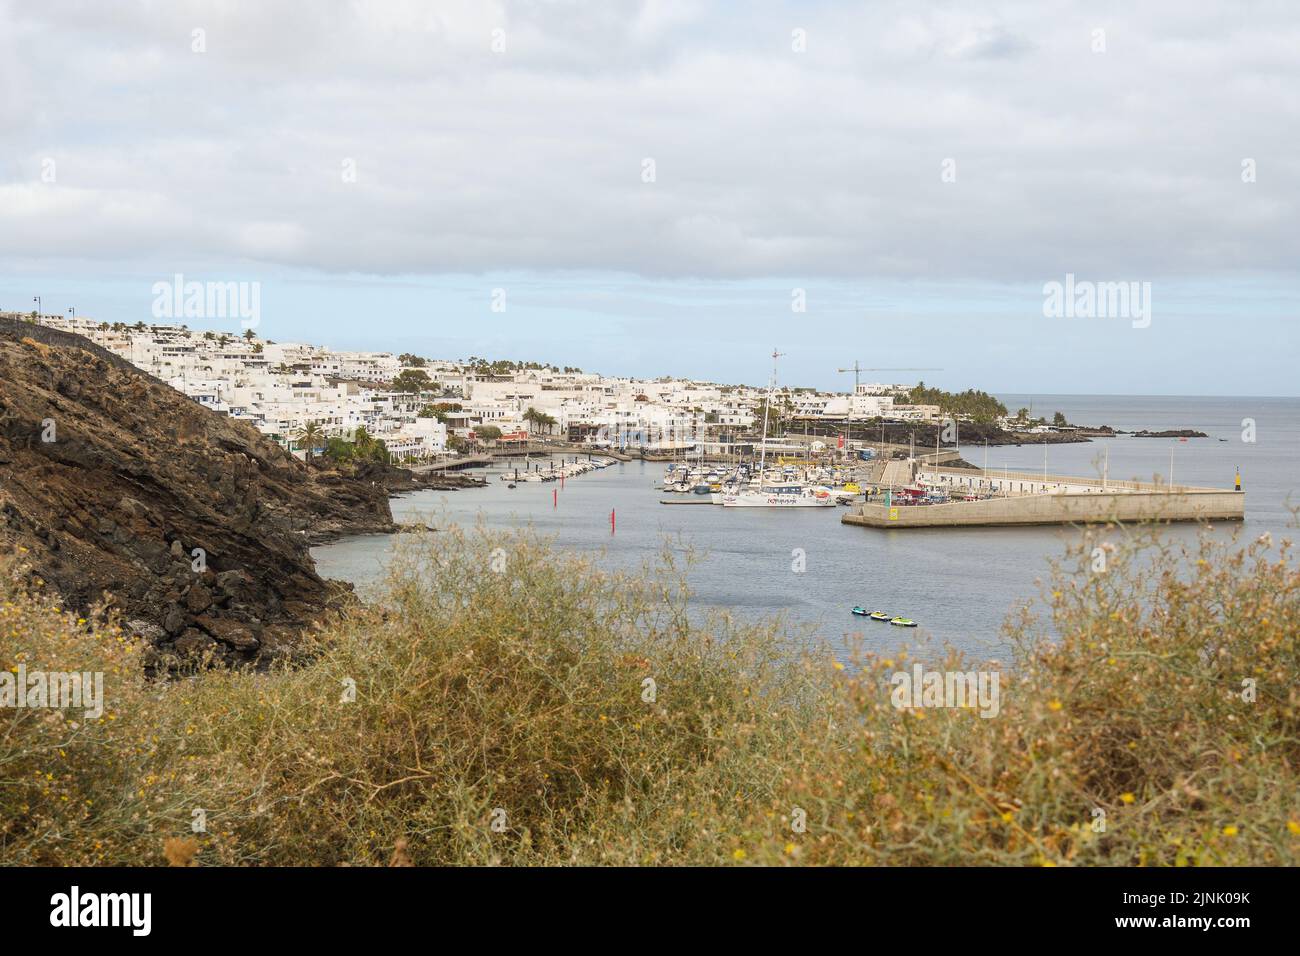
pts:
pixel 782 491
pixel 781 496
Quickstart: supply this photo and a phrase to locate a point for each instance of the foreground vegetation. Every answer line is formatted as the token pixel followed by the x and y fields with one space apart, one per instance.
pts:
pixel 514 705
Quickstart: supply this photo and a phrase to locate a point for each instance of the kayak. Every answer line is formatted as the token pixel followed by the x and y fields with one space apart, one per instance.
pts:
pixel 903 622
pixel 879 616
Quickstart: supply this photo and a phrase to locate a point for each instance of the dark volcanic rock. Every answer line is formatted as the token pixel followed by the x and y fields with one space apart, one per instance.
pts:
pixel 1170 433
pixel 397 480
pixel 193 526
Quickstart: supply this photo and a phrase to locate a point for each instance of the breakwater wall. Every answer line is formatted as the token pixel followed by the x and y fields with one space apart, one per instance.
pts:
pixel 1052 500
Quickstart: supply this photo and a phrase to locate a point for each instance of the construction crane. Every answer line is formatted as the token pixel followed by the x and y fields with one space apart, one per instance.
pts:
pixel 857 371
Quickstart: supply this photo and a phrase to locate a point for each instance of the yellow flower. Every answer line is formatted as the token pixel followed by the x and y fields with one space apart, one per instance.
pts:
pixel 1054 705
pixel 839 666
pixel 789 848
pixel 1126 798
pixel 1230 830
pixel 1293 827
pixel 738 855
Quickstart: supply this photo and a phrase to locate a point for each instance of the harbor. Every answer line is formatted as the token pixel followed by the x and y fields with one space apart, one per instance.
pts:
pixel 958 584
pixel 886 488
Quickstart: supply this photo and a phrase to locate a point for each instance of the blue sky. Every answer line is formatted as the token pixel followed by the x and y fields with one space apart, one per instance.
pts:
pixel 1214 337
pixel 920 170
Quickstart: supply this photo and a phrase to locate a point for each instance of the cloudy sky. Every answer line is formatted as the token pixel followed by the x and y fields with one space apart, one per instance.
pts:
pixel 649 182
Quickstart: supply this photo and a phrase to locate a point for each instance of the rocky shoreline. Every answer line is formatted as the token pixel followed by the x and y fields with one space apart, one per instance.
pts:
pixel 123 496
pixel 971 433
pixel 393 481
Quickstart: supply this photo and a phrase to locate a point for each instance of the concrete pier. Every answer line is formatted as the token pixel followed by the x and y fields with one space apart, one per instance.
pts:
pixel 1021 498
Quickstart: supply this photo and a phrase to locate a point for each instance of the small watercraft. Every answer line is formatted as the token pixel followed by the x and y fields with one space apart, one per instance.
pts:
pixel 860 611
pixel 511 485
pixel 879 616
pixel 903 622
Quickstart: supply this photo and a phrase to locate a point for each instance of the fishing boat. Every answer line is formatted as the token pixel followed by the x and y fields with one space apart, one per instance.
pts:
pixel 902 622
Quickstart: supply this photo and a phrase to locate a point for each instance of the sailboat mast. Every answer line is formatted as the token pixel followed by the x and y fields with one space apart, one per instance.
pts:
pixel 767 410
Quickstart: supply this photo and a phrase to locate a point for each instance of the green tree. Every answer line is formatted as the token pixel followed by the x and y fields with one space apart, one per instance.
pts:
pixel 309 437
pixel 338 449
pixel 773 418
pixel 541 420
pixel 972 403
pixel 439 410
pixel 412 380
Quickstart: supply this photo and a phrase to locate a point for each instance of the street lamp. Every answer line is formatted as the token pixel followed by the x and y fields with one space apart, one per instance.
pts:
pixel 37 300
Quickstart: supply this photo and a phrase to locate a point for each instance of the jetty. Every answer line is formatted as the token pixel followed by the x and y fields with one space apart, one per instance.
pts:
pixel 975 497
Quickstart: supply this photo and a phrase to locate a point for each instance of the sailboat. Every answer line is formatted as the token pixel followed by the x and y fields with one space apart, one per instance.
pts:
pixel 785 493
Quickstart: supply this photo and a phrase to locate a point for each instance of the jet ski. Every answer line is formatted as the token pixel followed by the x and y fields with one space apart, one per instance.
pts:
pixel 879 616
pixel 903 622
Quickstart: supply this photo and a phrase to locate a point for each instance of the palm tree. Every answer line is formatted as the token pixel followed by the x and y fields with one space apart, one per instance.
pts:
pixel 309 437
pixel 249 335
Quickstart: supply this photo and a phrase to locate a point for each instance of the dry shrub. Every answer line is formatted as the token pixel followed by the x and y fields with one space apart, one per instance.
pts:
pixel 505 703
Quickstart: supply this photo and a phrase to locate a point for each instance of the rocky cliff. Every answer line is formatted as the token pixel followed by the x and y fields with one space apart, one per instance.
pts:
pixel 194 526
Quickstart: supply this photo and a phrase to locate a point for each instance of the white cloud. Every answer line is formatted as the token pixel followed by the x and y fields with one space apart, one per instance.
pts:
pixel 770 162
